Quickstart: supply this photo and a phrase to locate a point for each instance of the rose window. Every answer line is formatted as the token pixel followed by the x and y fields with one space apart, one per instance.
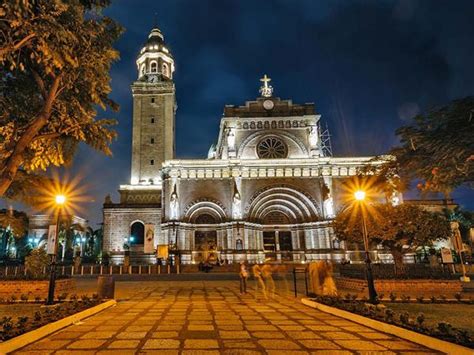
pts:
pixel 272 148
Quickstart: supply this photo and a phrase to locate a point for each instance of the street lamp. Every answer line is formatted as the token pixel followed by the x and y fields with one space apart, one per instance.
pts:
pixel 359 195
pixel 60 200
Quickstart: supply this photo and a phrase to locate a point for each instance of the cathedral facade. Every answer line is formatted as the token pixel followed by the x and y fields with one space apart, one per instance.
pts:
pixel 267 190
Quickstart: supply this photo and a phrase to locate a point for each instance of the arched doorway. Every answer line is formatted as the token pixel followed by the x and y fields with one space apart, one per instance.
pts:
pixel 205 239
pixel 137 231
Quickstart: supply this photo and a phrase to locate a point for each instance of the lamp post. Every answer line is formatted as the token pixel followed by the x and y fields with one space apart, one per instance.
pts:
pixel 360 197
pixel 60 200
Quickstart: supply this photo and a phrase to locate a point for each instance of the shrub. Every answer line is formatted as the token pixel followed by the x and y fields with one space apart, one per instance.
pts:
pixel 12 299
pixel 62 296
pixel 458 296
pixel 392 296
pixel 404 318
pixel 381 296
pixel 420 299
pixel 389 315
pixel 36 261
pixel 24 298
pixel 420 318
pixel 433 299
pixel 37 316
pixel 37 299
pixel 443 297
pixel 445 328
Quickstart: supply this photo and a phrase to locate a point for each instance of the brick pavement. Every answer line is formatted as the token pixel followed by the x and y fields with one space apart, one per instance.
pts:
pixel 212 318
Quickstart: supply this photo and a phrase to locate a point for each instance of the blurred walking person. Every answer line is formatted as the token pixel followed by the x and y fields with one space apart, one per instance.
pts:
pixel 244 274
pixel 257 274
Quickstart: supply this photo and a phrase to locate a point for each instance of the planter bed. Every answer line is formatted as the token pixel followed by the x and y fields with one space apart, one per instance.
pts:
pixel 412 287
pixel 15 324
pixel 413 322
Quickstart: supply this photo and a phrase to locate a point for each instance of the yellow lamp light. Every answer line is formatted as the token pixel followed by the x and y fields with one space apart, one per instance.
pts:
pixel 60 199
pixel 359 195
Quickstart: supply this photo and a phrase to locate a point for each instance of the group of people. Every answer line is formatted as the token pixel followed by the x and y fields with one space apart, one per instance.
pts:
pixel 262 274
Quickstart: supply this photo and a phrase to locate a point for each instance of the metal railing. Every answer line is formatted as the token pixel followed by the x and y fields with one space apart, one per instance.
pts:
pixel 87 270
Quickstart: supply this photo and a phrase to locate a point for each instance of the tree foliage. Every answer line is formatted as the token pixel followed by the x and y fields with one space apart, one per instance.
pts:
pixel 55 57
pixel 12 224
pixel 437 148
pixel 399 229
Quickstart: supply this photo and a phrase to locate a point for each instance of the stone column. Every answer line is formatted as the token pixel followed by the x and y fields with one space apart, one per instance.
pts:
pixel 277 245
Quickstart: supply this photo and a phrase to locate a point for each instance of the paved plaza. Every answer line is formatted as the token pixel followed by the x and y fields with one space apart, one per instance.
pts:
pixel 211 317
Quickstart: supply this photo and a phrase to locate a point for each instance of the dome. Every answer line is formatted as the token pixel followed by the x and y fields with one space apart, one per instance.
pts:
pixel 155 43
pixel 155 59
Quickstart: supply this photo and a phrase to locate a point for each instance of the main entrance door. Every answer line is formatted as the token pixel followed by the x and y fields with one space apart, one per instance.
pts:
pixel 205 245
pixel 286 247
pixel 269 245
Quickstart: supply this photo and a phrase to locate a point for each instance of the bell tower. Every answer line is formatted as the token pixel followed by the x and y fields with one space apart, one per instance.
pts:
pixel 154 107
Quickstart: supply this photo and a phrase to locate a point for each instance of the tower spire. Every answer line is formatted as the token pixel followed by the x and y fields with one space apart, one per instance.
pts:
pixel 155 20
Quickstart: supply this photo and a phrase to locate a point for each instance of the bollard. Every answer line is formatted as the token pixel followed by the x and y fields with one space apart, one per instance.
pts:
pixel 82 269
pixel 139 269
pixel 120 269
pixel 105 286
pixel 110 273
pixel 149 269
pixel 101 269
pixel 169 269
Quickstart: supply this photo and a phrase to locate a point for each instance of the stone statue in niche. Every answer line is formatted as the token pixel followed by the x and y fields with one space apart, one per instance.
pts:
pixel 108 199
pixel 236 206
pixel 313 136
pixel 231 138
pixel 174 204
pixel 329 206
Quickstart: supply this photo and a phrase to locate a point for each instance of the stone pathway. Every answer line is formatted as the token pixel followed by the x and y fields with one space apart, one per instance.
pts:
pixel 212 318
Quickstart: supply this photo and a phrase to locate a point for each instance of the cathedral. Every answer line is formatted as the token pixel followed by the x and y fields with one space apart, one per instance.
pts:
pixel 267 190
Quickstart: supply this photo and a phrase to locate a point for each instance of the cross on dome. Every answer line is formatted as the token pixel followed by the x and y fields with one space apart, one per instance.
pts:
pixel 266 90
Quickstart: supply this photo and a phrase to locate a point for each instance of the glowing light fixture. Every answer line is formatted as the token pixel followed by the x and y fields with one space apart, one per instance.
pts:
pixel 60 199
pixel 359 195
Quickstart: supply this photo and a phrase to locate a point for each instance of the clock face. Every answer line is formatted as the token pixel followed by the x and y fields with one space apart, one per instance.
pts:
pixel 268 104
pixel 152 78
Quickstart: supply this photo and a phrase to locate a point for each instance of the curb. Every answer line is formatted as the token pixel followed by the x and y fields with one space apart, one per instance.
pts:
pixel 414 337
pixel 30 337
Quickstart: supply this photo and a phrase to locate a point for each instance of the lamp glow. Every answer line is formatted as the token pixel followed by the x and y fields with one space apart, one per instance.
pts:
pixel 60 199
pixel 359 195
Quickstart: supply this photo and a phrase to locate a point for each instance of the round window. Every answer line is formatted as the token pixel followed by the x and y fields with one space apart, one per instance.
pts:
pixel 272 148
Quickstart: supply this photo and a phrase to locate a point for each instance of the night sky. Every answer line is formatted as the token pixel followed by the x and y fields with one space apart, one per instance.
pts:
pixel 368 65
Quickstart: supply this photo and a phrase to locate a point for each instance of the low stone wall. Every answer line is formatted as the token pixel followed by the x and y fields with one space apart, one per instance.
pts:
pixel 34 288
pixel 425 288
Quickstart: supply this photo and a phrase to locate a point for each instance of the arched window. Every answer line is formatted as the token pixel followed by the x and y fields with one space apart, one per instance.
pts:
pixel 164 69
pixel 137 231
pixel 142 70
pixel 153 67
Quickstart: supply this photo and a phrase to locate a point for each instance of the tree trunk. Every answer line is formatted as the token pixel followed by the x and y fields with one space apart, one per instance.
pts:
pixel 398 261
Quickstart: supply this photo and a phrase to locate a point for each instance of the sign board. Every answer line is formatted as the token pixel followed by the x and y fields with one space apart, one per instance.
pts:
pixel 149 238
pixel 446 256
pixel 162 251
pixel 51 246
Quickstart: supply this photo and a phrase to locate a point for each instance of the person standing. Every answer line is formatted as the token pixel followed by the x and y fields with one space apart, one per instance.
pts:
pixel 244 274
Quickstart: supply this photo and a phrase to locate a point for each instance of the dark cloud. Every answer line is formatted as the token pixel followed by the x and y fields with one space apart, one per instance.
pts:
pixel 368 66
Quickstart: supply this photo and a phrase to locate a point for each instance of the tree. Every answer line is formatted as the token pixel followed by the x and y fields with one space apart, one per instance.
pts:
pixel 399 229
pixel 13 224
pixel 55 58
pixel 438 147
